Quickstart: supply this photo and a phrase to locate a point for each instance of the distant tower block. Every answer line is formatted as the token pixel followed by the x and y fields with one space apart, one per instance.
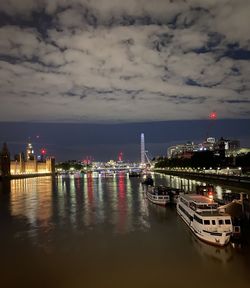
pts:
pixel 142 149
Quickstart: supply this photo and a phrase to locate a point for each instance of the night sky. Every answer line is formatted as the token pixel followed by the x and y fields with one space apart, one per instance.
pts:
pixel 88 76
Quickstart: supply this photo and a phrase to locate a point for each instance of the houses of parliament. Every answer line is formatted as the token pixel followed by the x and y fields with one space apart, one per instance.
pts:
pixel 25 165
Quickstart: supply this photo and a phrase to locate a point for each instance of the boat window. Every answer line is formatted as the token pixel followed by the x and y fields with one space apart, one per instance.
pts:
pixel 204 206
pixel 221 222
pixel 213 222
pixel 227 221
pixel 198 219
pixel 207 206
pixel 185 212
pixel 206 222
pixel 192 206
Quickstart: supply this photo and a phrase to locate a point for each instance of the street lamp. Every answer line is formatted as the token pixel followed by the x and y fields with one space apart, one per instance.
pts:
pixel 240 171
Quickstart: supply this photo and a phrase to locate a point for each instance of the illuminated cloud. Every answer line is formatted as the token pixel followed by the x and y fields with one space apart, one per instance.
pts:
pixel 124 61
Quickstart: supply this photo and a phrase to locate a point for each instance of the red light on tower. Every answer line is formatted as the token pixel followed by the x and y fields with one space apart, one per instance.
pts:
pixel 213 115
pixel 120 156
pixel 43 151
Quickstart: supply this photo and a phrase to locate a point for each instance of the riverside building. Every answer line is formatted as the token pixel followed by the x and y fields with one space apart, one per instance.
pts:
pixel 223 147
pixel 22 166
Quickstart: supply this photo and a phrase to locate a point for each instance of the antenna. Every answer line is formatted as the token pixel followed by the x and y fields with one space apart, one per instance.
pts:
pixel 212 117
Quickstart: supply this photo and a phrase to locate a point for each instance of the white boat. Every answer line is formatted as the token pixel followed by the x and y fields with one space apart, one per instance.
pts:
pixel 156 196
pixel 202 216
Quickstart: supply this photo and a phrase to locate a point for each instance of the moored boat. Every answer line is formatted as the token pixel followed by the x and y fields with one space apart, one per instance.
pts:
pixel 202 216
pixel 157 196
pixel 147 180
pixel 174 194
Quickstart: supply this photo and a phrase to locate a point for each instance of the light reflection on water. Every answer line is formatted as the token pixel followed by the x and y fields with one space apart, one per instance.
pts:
pixel 109 201
pixel 102 232
pixel 31 199
pixel 189 185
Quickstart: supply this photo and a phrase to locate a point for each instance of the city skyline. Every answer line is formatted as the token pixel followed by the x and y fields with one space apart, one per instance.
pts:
pixel 122 68
pixel 105 142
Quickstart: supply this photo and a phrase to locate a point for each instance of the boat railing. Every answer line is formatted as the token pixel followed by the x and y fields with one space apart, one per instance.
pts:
pixel 158 196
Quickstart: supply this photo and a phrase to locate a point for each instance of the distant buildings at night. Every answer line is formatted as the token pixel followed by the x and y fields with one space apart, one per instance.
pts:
pixel 5 161
pixel 221 147
pixel 25 163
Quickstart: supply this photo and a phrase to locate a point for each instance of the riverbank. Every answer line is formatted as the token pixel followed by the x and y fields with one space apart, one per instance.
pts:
pixel 243 181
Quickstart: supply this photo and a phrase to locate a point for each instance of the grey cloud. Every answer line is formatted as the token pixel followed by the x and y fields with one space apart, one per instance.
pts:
pixel 235 101
pixel 124 60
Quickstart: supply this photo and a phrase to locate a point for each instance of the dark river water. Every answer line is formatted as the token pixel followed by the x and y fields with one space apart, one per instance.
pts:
pixel 102 232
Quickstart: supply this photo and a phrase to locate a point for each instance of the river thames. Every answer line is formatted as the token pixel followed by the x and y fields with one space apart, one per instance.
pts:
pixel 102 232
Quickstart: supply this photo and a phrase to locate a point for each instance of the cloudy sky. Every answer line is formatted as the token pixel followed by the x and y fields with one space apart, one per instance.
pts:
pixel 116 61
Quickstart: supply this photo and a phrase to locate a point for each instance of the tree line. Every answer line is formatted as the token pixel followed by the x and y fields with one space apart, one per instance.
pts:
pixel 205 159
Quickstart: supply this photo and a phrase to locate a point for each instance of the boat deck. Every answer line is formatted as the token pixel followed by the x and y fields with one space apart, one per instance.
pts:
pixel 198 199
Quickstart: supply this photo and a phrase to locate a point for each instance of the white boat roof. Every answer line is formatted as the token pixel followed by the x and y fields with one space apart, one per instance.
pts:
pixel 198 199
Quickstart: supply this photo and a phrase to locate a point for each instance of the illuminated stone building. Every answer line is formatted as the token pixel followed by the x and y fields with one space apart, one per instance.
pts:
pixel 32 166
pixel 21 166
